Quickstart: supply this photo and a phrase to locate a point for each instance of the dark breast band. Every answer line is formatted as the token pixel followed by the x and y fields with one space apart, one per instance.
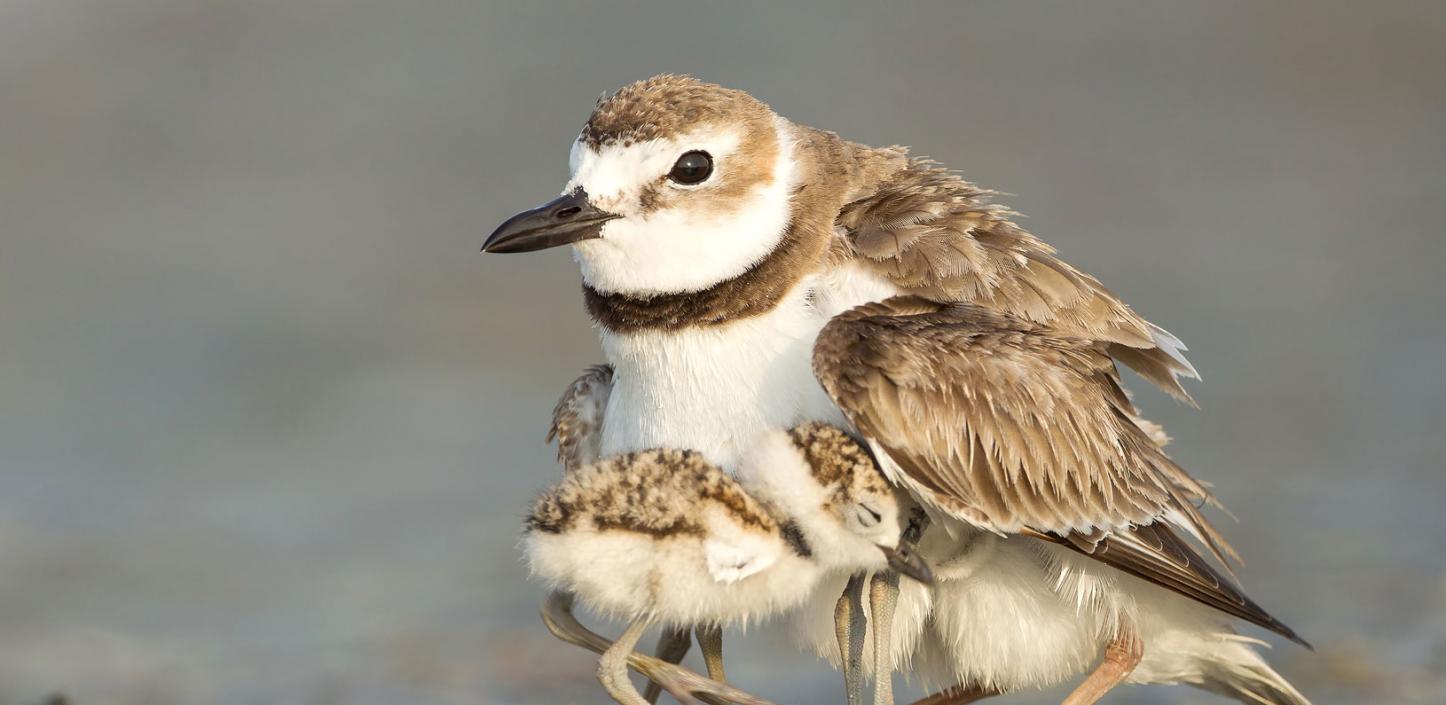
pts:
pixel 749 294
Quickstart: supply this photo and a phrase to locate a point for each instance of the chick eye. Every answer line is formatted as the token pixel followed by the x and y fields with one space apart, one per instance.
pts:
pixel 868 516
pixel 691 168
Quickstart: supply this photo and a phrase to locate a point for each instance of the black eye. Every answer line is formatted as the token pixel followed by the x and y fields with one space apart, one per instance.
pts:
pixel 692 168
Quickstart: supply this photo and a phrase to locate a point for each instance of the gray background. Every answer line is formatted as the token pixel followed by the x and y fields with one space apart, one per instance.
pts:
pixel 268 421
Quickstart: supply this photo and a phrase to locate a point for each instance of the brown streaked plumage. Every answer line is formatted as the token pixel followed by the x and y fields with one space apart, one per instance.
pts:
pixel 1016 427
pixel 1007 423
pixel 666 105
pixel 630 534
pixel 641 493
pixel 833 456
pixel 936 235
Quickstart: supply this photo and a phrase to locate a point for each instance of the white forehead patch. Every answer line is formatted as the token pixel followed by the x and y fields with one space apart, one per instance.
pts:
pixel 689 246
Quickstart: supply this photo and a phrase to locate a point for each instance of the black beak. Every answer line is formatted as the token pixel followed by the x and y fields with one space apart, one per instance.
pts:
pixel 565 220
pixel 908 561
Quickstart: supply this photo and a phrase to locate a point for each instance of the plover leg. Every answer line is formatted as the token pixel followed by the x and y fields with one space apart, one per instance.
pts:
pixel 710 640
pixel 673 645
pixel 851 625
pixel 612 668
pixel 958 695
pixel 680 682
pixel 883 599
pixel 1121 657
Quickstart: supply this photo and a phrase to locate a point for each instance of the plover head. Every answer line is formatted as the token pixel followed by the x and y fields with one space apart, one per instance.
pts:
pixel 676 186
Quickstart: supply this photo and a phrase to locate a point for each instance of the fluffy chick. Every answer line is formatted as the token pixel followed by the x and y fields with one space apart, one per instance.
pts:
pixel 662 537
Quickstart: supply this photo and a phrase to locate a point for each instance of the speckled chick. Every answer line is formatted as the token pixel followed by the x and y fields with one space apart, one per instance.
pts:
pixel 666 537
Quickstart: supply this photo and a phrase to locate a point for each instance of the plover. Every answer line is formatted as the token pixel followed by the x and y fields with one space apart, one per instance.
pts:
pixel 663 537
pixel 717 239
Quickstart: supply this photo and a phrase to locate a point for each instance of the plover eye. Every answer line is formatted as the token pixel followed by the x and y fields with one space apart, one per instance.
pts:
pixel 692 168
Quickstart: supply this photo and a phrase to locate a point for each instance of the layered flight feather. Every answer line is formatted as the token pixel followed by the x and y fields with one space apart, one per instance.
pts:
pixel 1020 427
pixel 935 235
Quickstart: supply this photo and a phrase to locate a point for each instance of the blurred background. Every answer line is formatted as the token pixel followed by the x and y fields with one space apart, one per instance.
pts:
pixel 269 421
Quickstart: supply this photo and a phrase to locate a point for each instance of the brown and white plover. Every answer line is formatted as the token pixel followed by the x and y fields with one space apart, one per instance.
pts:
pixel 724 251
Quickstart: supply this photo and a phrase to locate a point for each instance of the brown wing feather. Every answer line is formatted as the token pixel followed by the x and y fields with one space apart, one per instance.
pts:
pixel 936 235
pixel 1156 554
pixel 1005 423
pixel 1016 428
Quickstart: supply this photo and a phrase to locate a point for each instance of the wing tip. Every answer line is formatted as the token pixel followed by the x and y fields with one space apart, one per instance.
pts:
pixel 1226 595
pixel 1175 350
pixel 1290 634
pixel 1268 622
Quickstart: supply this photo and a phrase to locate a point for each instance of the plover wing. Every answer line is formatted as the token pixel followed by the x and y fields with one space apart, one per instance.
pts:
pixel 1018 428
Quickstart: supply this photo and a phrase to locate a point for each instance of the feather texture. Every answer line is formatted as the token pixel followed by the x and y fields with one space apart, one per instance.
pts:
pixel 938 236
pixel 1016 427
pixel 665 535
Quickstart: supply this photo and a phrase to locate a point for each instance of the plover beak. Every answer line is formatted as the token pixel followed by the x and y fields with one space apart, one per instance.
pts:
pixel 565 220
pixel 908 561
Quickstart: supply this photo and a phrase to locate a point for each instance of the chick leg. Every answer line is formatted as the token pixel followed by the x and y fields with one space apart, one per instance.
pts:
pixel 851 625
pixel 1121 657
pixel 612 668
pixel 680 682
pixel 673 645
pixel 958 695
pixel 710 640
pixel 883 599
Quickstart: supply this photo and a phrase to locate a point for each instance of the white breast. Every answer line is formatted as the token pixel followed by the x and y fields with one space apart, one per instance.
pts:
pixel 718 389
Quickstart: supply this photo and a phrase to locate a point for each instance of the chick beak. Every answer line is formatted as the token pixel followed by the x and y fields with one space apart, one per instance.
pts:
pixel 906 560
pixel 565 220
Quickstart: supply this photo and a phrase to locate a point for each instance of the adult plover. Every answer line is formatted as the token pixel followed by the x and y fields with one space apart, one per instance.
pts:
pixel 665 537
pixel 716 241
